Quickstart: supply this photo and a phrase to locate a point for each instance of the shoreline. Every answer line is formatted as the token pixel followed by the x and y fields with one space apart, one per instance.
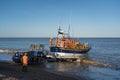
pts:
pixel 12 71
pixel 8 51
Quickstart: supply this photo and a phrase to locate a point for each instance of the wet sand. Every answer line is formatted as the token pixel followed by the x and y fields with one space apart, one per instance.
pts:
pixel 12 71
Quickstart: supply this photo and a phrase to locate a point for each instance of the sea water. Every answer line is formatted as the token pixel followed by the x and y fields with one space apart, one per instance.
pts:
pixel 104 50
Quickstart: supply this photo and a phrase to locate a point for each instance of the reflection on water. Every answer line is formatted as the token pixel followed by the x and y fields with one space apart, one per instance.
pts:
pixel 5 57
pixel 79 70
pixel 67 68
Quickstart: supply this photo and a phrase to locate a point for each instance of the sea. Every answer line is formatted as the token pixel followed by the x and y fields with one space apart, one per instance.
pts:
pixel 104 50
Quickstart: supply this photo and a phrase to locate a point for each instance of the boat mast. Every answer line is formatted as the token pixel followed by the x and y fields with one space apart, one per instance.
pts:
pixel 69 31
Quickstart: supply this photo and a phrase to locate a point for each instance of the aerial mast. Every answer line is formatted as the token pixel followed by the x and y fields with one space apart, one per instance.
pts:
pixel 69 31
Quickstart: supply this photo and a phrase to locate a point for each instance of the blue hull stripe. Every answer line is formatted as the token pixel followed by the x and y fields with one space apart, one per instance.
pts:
pixel 57 49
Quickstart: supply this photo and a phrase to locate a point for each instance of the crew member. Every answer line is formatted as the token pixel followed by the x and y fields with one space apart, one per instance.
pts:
pixel 24 62
pixel 50 41
pixel 56 42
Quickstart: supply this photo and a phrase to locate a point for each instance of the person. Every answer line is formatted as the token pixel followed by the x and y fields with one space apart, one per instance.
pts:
pixel 62 37
pixel 56 42
pixel 24 62
pixel 85 45
pixel 50 41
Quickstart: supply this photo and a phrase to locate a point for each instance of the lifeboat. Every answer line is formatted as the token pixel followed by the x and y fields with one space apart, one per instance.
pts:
pixel 64 47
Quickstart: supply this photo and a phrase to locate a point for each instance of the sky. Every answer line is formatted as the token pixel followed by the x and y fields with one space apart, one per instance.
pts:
pixel 41 18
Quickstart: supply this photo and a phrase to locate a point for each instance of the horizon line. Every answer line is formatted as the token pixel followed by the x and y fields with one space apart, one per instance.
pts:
pixel 55 37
